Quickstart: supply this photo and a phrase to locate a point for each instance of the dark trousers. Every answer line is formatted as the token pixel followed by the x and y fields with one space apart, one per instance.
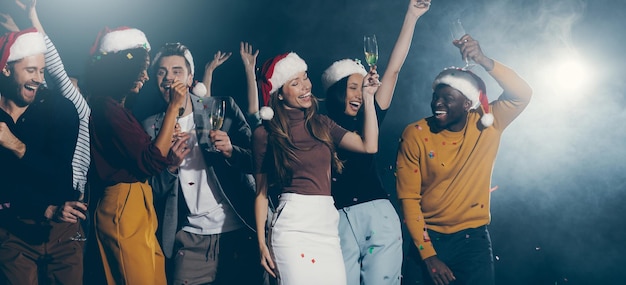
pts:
pixel 227 258
pixel 467 253
pixel 40 252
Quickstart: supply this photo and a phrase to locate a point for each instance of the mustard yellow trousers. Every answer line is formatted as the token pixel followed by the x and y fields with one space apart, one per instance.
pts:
pixel 126 233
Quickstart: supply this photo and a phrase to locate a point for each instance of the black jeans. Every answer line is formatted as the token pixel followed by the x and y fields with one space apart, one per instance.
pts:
pixel 467 253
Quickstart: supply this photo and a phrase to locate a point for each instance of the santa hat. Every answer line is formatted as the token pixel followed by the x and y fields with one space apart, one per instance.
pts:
pixel 18 45
pixel 122 38
pixel 471 86
pixel 275 73
pixel 340 69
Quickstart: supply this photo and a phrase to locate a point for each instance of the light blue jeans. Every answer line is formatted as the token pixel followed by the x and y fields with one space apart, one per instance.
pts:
pixel 371 243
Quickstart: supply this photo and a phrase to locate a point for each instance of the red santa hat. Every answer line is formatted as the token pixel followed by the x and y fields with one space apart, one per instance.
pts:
pixel 18 45
pixel 121 38
pixel 275 73
pixel 340 69
pixel 471 86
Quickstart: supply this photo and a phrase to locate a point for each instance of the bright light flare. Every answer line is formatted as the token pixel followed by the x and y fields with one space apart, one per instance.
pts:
pixel 568 74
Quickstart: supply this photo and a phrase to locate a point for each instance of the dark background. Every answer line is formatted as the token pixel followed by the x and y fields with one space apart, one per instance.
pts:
pixel 558 214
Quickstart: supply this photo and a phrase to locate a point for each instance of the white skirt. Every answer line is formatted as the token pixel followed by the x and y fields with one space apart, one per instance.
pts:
pixel 304 241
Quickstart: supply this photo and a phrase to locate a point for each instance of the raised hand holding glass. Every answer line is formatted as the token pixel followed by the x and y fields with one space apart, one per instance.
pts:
pixel 458 31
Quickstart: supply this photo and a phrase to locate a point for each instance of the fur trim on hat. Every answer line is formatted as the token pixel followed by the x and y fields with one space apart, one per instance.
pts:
pixel 462 81
pixel 123 39
pixel 27 44
pixel 340 69
pixel 471 86
pixel 285 69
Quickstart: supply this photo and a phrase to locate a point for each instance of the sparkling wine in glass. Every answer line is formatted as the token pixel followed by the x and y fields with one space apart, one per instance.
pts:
pixel 370 47
pixel 217 117
pixel 458 31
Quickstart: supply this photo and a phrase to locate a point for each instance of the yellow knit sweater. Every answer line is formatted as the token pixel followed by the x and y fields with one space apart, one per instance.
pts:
pixel 444 179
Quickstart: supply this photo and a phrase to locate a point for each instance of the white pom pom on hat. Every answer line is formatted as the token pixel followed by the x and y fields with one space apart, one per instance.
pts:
pixel 276 72
pixel 266 113
pixel 118 39
pixel 471 86
pixel 18 45
pixel 340 69
pixel 199 89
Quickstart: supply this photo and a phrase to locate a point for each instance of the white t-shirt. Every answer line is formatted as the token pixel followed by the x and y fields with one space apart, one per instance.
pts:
pixel 209 211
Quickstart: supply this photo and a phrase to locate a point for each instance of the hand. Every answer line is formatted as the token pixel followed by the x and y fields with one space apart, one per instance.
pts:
pixel 371 83
pixel 8 23
pixel 416 9
pixel 69 212
pixel 179 149
pixel 439 271
pixel 470 49
pixel 9 141
pixel 247 56
pixel 222 143
pixel 266 260
pixel 218 59
pixel 178 93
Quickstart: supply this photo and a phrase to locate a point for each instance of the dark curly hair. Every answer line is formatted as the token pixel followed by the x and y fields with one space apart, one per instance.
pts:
pixel 114 74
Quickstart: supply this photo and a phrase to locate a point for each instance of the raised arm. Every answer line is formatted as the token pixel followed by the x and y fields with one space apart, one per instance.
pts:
pixel 516 91
pixel 248 57
pixel 398 55
pixel 56 70
pixel 368 143
pixel 218 59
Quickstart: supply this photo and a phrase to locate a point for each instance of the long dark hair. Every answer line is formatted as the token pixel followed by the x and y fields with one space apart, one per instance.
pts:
pixel 114 74
pixel 336 106
pixel 282 146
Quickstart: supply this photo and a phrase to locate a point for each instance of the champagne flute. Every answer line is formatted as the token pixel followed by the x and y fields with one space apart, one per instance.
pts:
pixel 457 31
pixel 217 118
pixel 370 47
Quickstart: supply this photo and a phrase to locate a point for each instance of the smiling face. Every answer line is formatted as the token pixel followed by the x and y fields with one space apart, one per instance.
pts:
pixel 28 76
pixel 170 68
pixel 354 94
pixel 142 78
pixel 450 108
pixel 296 92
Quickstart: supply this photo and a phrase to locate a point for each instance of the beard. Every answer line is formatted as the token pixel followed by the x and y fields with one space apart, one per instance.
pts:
pixel 15 94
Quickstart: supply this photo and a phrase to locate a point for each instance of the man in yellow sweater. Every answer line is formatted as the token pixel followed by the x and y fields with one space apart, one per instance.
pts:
pixel 444 168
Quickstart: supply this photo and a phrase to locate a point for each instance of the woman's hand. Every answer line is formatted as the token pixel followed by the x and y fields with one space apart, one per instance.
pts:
pixel 371 83
pixel 8 23
pixel 218 59
pixel 247 55
pixel 266 260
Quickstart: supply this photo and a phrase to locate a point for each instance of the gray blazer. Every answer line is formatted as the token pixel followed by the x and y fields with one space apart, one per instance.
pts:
pixel 232 176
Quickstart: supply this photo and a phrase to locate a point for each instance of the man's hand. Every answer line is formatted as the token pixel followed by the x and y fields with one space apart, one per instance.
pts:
pixel 9 141
pixel 221 140
pixel 439 271
pixel 69 212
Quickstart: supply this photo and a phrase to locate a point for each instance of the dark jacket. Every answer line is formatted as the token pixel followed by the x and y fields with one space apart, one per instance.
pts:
pixel 231 176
